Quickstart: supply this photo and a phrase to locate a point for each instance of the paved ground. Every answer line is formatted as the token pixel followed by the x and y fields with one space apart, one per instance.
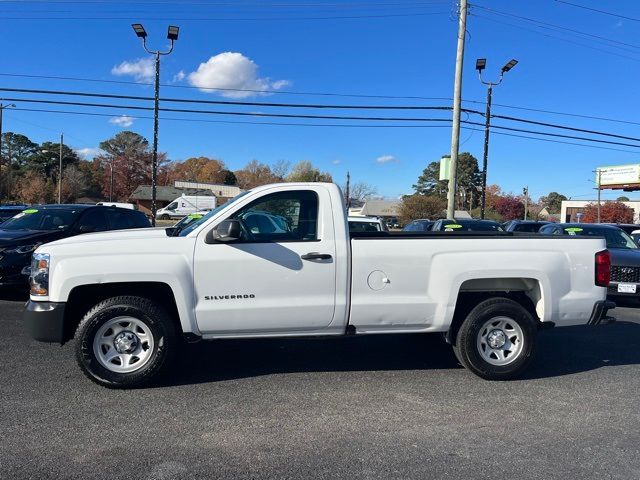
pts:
pixel 394 407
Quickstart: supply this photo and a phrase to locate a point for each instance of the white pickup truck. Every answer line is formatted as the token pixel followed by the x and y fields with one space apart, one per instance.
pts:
pixel 279 261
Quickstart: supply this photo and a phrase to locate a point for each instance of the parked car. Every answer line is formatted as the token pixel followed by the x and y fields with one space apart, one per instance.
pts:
pixel 627 227
pixel 393 223
pixel 420 225
pixel 636 236
pixel 186 204
pixel 8 211
pixel 466 225
pixel 127 296
pixel 366 224
pixel 190 218
pixel 625 254
pixel 26 231
pixel 528 226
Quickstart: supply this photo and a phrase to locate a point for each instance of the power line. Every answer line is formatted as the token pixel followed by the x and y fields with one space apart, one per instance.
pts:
pixel 322 125
pixel 212 89
pixel 557 38
pixel 227 102
pixel 293 105
pixel 554 26
pixel 233 4
pixel 191 19
pixel 599 11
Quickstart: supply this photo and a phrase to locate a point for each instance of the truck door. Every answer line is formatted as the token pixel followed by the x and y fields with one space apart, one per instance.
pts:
pixel 281 275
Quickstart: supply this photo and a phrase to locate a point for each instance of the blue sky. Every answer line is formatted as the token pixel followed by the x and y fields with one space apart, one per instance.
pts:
pixel 392 48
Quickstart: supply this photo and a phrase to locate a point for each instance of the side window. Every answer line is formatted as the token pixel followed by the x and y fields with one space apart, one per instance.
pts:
pixel 93 221
pixel 281 217
pixel 119 220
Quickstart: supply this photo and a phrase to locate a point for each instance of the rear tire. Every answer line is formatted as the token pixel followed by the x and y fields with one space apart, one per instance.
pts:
pixel 165 217
pixel 497 339
pixel 125 342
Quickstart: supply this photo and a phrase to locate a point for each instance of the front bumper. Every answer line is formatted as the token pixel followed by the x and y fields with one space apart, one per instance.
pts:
pixel 44 321
pixel 599 313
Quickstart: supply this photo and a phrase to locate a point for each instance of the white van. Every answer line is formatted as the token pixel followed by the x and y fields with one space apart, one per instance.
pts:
pixel 186 204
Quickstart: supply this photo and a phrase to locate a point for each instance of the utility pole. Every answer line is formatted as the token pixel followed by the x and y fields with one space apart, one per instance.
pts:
pixel 457 100
pixel 599 172
pixel 481 63
pixel 2 107
pixel 347 194
pixel 111 182
pixel 60 171
pixel 172 34
pixel 525 192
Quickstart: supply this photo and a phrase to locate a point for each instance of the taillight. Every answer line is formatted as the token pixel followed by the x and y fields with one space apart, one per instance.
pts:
pixel 603 268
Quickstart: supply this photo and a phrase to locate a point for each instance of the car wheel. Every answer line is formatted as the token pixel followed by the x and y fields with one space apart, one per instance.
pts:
pixel 125 342
pixel 497 339
pixel 165 217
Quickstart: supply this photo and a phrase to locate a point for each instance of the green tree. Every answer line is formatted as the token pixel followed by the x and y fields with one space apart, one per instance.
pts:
pixel 622 199
pixel 17 149
pixel 46 160
pixel 553 202
pixel 304 171
pixel 469 179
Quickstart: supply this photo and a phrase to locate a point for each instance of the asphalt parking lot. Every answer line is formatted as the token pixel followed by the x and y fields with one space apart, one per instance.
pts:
pixel 370 407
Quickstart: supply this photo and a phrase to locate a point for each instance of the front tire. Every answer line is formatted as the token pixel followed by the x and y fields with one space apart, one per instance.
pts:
pixel 125 342
pixel 497 339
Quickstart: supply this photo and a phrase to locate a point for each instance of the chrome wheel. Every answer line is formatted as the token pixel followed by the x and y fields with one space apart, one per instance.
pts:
pixel 500 341
pixel 123 344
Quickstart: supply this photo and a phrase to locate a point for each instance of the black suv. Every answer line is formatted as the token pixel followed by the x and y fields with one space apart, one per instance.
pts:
pixel 525 226
pixel 22 234
pixel 466 225
pixel 8 211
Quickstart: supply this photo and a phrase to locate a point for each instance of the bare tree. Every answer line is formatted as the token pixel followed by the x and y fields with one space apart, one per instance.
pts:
pixel 74 183
pixel 281 168
pixel 361 190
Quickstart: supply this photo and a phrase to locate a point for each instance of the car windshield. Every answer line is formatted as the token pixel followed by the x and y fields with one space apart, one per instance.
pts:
pixel 615 237
pixel 356 226
pixel 42 219
pixel 195 224
pixel 471 226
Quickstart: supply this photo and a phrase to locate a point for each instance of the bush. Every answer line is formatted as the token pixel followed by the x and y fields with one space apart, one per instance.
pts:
pixel 610 212
pixel 417 206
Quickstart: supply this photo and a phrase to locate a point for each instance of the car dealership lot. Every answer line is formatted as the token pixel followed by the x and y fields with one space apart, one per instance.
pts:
pixel 379 406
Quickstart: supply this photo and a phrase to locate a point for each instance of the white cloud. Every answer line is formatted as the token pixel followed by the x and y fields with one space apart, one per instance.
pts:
pixel 178 77
pixel 336 161
pixel 141 69
pixel 382 159
pixel 122 121
pixel 233 71
pixel 88 152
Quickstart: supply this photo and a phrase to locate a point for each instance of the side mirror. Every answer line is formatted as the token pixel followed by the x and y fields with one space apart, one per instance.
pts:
pixel 227 231
pixel 86 229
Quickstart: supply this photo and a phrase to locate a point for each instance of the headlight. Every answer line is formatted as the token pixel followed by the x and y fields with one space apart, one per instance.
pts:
pixel 24 248
pixel 39 277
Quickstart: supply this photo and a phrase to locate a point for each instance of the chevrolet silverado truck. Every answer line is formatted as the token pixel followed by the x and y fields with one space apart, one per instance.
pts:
pixel 279 261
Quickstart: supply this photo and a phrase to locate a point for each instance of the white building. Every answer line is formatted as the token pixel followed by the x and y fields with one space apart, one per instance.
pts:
pixel 571 208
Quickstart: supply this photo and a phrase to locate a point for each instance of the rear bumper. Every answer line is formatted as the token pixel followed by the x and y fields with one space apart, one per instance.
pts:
pixel 44 321
pixel 599 313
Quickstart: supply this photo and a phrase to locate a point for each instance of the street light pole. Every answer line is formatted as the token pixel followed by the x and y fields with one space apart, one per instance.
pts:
pixel 599 189
pixel 2 107
pixel 172 34
pixel 481 63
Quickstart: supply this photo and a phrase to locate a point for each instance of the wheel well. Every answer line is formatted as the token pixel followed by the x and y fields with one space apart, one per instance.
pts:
pixel 83 297
pixel 467 300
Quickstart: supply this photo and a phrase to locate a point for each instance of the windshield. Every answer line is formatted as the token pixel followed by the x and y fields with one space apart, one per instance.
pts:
pixel 615 237
pixel 42 220
pixel 193 225
pixel 467 226
pixel 364 226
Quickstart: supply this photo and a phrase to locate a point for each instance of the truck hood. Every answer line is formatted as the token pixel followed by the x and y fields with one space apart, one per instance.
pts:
pixel 112 236
pixel 625 257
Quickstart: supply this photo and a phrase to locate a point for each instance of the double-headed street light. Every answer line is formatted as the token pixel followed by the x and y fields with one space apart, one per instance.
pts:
pixel 172 34
pixel 481 63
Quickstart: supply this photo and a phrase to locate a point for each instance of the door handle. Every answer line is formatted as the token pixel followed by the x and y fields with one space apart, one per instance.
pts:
pixel 316 256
